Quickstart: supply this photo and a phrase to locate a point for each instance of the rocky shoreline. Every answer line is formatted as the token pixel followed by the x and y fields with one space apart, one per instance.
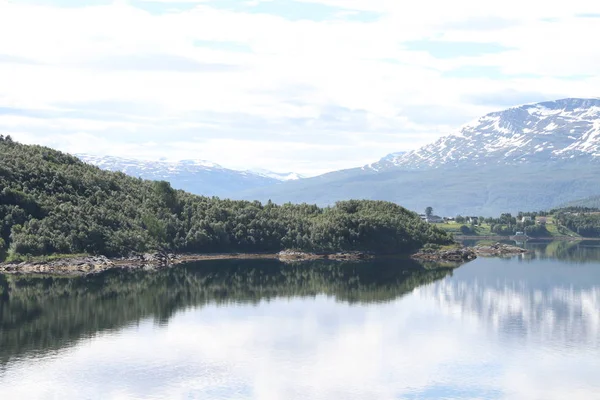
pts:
pixel 465 254
pixel 152 261
pixel 499 250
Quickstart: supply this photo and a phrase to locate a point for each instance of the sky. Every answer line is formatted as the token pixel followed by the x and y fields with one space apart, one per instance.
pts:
pixel 308 86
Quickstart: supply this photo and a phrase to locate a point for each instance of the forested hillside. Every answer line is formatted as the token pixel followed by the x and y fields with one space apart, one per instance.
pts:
pixel 584 221
pixel 588 202
pixel 51 202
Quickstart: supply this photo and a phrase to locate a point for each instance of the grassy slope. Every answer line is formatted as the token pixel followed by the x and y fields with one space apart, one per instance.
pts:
pixel 484 229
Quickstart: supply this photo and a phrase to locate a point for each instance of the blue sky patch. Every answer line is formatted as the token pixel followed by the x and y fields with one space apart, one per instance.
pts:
pixel 588 15
pixel 445 49
pixel 158 8
pixel 288 9
pixel 296 10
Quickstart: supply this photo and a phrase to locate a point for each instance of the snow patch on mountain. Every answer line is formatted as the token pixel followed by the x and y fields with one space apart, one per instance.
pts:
pixel 386 162
pixel 280 176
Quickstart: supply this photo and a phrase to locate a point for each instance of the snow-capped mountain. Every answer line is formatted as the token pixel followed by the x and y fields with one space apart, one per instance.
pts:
pixel 196 176
pixel 567 129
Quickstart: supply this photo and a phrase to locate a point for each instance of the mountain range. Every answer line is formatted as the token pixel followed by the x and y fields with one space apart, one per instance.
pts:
pixel 195 176
pixel 529 157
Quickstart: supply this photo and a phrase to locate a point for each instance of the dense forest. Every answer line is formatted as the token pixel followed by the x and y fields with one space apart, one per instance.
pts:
pixel 588 202
pixel 51 202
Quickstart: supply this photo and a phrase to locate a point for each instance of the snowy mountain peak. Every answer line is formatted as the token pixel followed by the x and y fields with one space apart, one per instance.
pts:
pixel 199 163
pixel 564 129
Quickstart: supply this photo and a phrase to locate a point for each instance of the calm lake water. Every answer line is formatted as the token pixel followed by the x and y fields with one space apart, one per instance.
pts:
pixel 520 328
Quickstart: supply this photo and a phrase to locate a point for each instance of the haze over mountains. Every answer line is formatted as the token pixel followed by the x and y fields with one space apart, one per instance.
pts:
pixel 195 176
pixel 529 157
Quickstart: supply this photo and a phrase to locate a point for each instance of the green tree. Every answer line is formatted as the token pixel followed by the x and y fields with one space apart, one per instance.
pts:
pixel 429 211
pixel 465 230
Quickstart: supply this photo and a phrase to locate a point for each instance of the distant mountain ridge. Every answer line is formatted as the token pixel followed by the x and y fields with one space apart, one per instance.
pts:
pixel 196 176
pixel 530 157
pixel 544 132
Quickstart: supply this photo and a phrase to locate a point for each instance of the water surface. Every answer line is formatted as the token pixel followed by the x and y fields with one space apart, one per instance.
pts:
pixel 521 328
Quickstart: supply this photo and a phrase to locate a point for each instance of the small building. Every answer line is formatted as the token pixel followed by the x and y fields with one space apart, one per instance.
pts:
pixel 435 219
pixel 525 219
pixel 472 220
pixel 432 219
pixel 541 220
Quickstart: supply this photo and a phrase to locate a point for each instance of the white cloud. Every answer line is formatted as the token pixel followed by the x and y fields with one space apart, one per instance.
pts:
pixel 122 54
